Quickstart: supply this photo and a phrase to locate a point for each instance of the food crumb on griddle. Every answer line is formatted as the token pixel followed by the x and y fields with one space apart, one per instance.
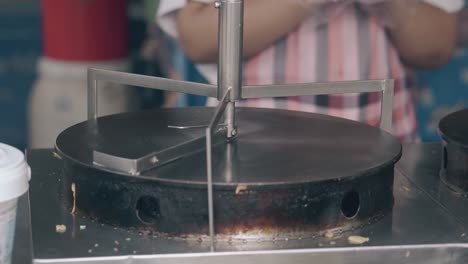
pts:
pixel 241 188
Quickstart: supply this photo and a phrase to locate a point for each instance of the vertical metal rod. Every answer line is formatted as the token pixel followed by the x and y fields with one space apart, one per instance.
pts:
pixel 209 170
pixel 92 95
pixel 386 111
pixel 220 110
pixel 230 119
pixel 228 169
pixel 230 40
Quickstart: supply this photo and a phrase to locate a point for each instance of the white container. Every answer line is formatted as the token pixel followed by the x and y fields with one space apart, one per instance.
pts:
pixel 14 182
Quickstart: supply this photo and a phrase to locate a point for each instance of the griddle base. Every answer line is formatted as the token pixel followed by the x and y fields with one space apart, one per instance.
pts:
pixel 428 225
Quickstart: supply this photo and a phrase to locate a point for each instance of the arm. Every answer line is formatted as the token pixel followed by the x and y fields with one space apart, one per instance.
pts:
pixel 424 35
pixel 265 21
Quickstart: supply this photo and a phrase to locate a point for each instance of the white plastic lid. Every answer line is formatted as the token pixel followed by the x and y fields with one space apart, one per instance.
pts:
pixel 15 173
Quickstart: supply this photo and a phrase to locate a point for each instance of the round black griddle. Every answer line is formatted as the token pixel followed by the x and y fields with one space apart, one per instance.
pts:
pixel 287 174
pixel 454 132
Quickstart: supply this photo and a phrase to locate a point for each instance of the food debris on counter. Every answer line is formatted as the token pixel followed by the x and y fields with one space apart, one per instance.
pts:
pixel 357 240
pixel 60 229
pixel 73 189
pixel 328 235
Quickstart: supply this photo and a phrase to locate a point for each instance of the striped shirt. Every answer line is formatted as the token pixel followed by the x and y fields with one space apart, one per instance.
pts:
pixel 351 45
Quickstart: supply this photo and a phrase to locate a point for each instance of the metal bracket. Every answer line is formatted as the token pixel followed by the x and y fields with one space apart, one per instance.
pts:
pixel 95 75
pixel 155 159
pixel 385 87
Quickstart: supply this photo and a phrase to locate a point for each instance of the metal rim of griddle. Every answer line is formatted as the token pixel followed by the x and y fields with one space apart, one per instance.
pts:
pixel 307 147
pixel 453 130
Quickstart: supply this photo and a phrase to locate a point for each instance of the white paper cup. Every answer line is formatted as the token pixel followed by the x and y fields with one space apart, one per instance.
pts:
pixel 14 182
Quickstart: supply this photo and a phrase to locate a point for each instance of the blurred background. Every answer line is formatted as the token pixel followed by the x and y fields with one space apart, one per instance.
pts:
pixel 45 48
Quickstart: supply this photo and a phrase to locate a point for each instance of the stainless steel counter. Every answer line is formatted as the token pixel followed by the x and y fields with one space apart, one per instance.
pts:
pixel 428 225
pixel 22 249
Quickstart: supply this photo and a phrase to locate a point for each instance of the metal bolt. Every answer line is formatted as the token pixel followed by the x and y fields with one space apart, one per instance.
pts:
pixel 234 132
pixel 217 4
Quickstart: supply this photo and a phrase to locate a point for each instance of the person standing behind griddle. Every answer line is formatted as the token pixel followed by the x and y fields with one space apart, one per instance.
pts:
pixel 297 41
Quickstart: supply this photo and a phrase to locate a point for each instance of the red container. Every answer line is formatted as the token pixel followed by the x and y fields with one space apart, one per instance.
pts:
pixel 85 30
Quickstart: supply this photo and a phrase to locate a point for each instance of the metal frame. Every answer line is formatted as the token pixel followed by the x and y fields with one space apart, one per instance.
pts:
pixel 95 75
pixel 155 159
pixel 385 87
pixel 228 90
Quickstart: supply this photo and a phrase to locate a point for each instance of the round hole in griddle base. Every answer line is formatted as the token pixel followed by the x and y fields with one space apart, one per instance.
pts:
pixel 147 209
pixel 350 204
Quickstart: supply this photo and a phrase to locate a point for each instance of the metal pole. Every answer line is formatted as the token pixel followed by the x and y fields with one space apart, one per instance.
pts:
pixel 92 95
pixel 209 172
pixel 386 111
pixel 209 164
pixel 230 39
